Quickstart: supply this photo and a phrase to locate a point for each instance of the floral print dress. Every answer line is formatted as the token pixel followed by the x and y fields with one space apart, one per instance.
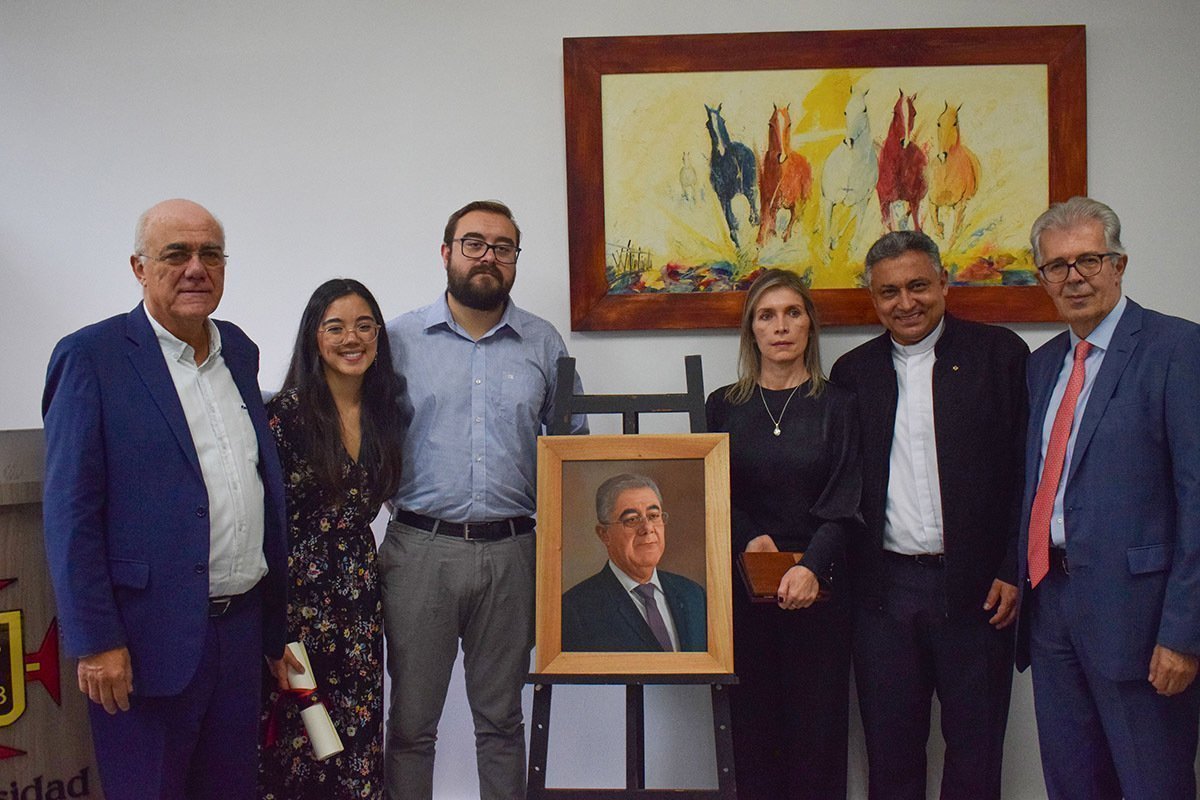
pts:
pixel 334 608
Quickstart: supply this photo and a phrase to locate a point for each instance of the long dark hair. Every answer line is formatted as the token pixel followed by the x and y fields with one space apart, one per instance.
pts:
pixel 321 426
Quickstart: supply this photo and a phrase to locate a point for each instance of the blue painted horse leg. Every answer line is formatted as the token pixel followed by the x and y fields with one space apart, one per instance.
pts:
pixel 730 219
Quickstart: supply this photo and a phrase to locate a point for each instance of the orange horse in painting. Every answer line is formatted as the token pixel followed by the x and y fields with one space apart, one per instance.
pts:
pixel 953 174
pixel 902 162
pixel 786 177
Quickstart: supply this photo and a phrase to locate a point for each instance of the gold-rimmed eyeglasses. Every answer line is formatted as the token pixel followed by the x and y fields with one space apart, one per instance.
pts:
pixel 635 521
pixel 336 333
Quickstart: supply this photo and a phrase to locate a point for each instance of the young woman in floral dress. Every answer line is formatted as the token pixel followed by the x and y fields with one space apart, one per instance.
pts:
pixel 336 422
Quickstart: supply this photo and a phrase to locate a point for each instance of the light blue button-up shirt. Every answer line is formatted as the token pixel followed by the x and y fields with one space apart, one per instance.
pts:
pixel 1100 339
pixel 475 411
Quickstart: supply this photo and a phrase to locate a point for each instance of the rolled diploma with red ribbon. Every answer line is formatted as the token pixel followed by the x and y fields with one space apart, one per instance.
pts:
pixel 321 734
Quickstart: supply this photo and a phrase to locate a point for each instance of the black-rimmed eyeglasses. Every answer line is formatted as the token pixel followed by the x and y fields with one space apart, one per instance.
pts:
pixel 1086 265
pixel 476 248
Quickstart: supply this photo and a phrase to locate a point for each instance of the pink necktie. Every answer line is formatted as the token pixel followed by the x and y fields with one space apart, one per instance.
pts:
pixel 1052 469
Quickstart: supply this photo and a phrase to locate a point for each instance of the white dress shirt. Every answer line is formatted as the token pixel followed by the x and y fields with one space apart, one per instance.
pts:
pixel 659 597
pixel 913 513
pixel 228 451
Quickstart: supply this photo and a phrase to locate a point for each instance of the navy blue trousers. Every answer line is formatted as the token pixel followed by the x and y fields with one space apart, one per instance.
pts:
pixel 202 743
pixel 1102 739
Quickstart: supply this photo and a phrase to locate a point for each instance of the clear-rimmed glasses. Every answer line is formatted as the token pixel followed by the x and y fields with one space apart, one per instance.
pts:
pixel 505 252
pixel 336 333
pixel 635 521
pixel 210 257
pixel 1086 265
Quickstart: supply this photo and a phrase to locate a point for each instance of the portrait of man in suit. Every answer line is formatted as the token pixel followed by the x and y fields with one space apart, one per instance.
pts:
pixel 1109 554
pixel 630 605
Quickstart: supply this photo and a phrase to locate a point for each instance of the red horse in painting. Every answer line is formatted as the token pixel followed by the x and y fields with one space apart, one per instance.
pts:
pixel 953 174
pixel 785 180
pixel 902 184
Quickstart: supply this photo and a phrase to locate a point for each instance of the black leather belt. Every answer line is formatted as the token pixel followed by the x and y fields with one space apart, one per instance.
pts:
pixel 220 606
pixel 1058 560
pixel 920 559
pixel 471 531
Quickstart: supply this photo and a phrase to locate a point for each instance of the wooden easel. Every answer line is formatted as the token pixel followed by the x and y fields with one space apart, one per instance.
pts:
pixel 566 404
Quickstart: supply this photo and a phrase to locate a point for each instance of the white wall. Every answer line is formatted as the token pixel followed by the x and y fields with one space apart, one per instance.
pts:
pixel 334 138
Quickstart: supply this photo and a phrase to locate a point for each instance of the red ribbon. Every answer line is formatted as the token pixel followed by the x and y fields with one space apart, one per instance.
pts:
pixel 304 698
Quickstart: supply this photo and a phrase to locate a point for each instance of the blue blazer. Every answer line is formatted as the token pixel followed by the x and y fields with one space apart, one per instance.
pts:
pixel 125 506
pixel 598 615
pixel 1132 499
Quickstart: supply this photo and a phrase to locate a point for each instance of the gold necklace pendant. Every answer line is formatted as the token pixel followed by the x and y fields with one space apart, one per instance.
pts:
pixel 779 421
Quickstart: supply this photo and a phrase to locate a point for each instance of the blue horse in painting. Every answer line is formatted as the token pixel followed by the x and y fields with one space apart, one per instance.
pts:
pixel 733 171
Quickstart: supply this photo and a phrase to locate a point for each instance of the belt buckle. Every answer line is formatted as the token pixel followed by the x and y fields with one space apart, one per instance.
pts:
pixel 217 606
pixel 467 532
pixel 1066 566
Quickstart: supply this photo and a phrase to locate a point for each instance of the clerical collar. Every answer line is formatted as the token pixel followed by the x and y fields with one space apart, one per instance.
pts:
pixel 923 346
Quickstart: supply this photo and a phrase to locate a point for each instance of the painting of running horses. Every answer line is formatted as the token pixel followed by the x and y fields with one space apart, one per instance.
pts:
pixel 710 162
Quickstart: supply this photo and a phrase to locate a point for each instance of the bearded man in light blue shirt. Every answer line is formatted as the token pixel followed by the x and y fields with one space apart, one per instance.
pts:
pixel 458 559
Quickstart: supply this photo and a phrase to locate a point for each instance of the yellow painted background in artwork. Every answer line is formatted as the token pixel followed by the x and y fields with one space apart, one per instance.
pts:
pixel 659 202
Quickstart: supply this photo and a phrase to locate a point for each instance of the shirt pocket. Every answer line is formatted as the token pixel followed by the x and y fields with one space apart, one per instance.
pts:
pixel 521 395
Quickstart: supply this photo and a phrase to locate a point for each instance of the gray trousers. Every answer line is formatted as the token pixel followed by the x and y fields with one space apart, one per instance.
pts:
pixel 438 590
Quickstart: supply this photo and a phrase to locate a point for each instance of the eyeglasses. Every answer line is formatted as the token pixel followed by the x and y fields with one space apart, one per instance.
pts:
pixel 337 333
pixel 1086 265
pixel 476 248
pixel 635 521
pixel 209 257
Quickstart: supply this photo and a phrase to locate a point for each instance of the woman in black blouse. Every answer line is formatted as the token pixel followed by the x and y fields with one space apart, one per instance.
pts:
pixel 794 484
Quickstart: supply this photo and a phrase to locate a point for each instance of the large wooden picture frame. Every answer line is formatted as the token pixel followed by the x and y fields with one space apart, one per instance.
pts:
pixel 692 472
pixel 644 176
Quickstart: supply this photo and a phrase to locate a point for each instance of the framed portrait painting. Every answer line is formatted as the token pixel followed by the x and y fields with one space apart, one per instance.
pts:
pixel 695 162
pixel 633 570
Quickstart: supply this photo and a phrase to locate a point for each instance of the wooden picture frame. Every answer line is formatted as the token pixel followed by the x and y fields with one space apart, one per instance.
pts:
pixel 1060 50
pixel 692 472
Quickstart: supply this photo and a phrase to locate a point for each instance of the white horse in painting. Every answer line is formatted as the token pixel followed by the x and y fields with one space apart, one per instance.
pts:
pixel 851 170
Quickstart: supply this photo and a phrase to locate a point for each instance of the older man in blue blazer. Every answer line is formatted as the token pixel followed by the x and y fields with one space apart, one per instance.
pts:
pixel 630 605
pixel 164 518
pixel 1110 550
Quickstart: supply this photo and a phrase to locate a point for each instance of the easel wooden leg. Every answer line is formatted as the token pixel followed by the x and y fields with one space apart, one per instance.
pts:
pixel 635 736
pixel 723 739
pixel 539 741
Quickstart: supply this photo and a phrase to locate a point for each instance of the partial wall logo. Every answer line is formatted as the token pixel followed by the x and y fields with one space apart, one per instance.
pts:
pixel 19 669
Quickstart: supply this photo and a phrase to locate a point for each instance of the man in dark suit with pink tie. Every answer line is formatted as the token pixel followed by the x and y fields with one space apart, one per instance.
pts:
pixel 1110 548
